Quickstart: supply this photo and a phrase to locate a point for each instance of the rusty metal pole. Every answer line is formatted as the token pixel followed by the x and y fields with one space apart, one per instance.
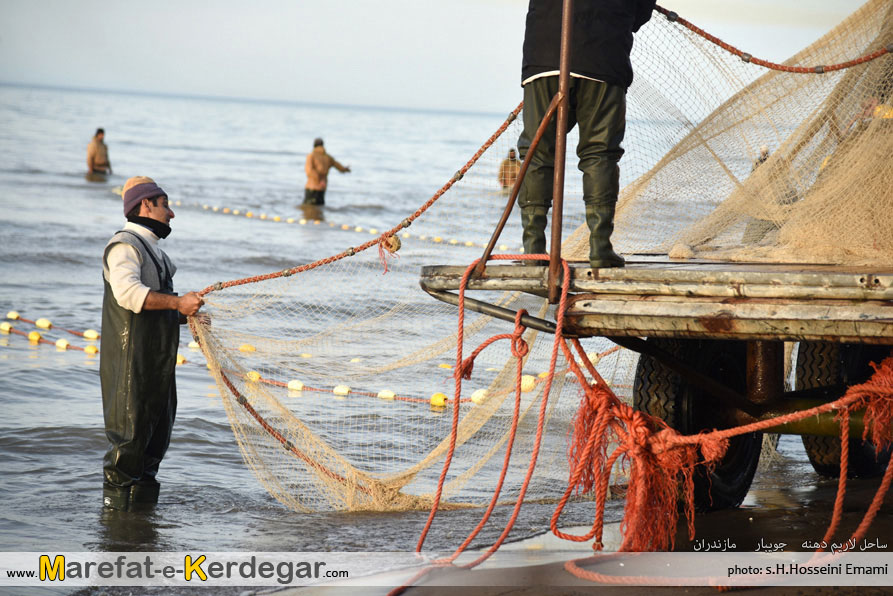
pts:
pixel 765 371
pixel 550 113
pixel 567 20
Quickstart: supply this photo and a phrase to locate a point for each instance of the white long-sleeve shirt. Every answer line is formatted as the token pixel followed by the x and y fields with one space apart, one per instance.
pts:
pixel 122 269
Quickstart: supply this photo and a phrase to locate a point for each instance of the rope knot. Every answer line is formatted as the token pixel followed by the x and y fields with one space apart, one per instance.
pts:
pixel 713 450
pixel 463 371
pixel 520 348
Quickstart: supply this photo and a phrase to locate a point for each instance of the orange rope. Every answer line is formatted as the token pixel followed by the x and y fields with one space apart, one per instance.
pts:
pixel 673 17
pixel 876 395
pixel 463 370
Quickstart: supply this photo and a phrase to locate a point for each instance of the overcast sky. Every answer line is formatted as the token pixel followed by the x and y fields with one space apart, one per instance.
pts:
pixel 444 54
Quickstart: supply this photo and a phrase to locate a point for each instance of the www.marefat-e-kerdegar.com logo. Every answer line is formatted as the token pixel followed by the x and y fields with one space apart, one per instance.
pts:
pixel 109 569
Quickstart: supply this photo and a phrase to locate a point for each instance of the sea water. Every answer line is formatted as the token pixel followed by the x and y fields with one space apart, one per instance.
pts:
pixel 54 224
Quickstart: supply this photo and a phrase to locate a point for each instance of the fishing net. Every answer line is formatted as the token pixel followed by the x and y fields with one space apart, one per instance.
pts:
pixel 330 371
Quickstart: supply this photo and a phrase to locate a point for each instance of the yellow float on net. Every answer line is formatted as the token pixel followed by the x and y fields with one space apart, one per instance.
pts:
pixel 544 374
pixel 249 214
pixel 373 231
pixel 302 221
pixel 445 365
pixel 305 355
pixel 263 216
pixel 193 345
pixel 386 394
pixel 91 334
pixel 205 207
pixel 469 243
pixel 358 229
pixel 34 337
pixel 253 376
pixel 345 227
pixel 438 400
pixel 12 315
pixel 91 350
pixel 528 383
pixel 247 348
pixel 277 218
pixel 341 390
pixel 594 357
pixel 290 220
pixel 406 234
pixel 480 396
pixel 215 208
pixel 236 211
pixel 453 241
pixel 355 360
pixel 62 344
pixel 295 385
pixel 5 327
pixel 503 247
pixel 181 359
pixel 43 324
pixel 437 239
pixel 226 209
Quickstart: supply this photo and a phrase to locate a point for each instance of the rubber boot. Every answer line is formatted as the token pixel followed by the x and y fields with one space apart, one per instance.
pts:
pixel 116 497
pixel 533 219
pixel 145 492
pixel 600 219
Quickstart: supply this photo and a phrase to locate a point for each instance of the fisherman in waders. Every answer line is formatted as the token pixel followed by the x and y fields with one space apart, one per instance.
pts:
pixel 141 318
pixel 317 166
pixel 600 73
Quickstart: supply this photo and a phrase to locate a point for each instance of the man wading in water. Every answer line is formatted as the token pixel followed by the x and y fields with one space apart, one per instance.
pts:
pixel 141 318
pixel 317 169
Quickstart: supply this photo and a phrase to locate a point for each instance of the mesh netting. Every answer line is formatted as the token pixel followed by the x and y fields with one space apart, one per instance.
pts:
pixel 282 347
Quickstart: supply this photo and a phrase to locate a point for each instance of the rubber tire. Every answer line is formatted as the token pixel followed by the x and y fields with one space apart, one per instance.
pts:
pixel 825 363
pixel 664 394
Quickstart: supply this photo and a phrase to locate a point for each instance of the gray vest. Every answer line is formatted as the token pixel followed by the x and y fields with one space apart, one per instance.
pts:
pixel 155 273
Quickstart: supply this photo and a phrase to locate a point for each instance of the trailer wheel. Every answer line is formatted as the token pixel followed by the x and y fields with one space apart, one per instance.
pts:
pixel 664 394
pixel 824 363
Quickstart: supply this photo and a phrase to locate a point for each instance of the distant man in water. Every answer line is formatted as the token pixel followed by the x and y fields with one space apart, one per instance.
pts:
pixel 317 169
pixel 141 317
pixel 601 72
pixel 98 154
pixel 764 155
pixel 509 170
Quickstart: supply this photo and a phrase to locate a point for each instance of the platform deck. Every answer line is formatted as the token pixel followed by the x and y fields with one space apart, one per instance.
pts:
pixel 707 299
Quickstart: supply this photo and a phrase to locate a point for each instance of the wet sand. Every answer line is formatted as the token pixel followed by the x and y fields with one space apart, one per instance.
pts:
pixel 792 517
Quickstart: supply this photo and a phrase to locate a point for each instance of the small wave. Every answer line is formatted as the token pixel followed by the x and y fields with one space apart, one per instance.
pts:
pixel 210 149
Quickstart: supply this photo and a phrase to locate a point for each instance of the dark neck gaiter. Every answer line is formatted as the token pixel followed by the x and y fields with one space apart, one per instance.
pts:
pixel 160 229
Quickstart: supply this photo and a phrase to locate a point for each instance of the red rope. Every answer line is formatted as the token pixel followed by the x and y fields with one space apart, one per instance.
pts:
pixel 875 395
pixel 672 16
pixel 463 370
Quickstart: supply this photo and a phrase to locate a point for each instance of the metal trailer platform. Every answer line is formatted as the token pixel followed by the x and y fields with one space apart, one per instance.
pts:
pixel 703 299
pixel 715 352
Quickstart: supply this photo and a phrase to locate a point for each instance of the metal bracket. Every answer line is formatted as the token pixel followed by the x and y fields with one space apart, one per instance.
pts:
pixel 499 312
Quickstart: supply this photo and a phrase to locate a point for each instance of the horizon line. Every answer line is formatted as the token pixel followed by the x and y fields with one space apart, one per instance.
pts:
pixel 291 102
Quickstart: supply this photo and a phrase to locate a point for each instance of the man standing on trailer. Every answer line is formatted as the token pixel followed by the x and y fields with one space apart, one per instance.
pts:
pixel 601 72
